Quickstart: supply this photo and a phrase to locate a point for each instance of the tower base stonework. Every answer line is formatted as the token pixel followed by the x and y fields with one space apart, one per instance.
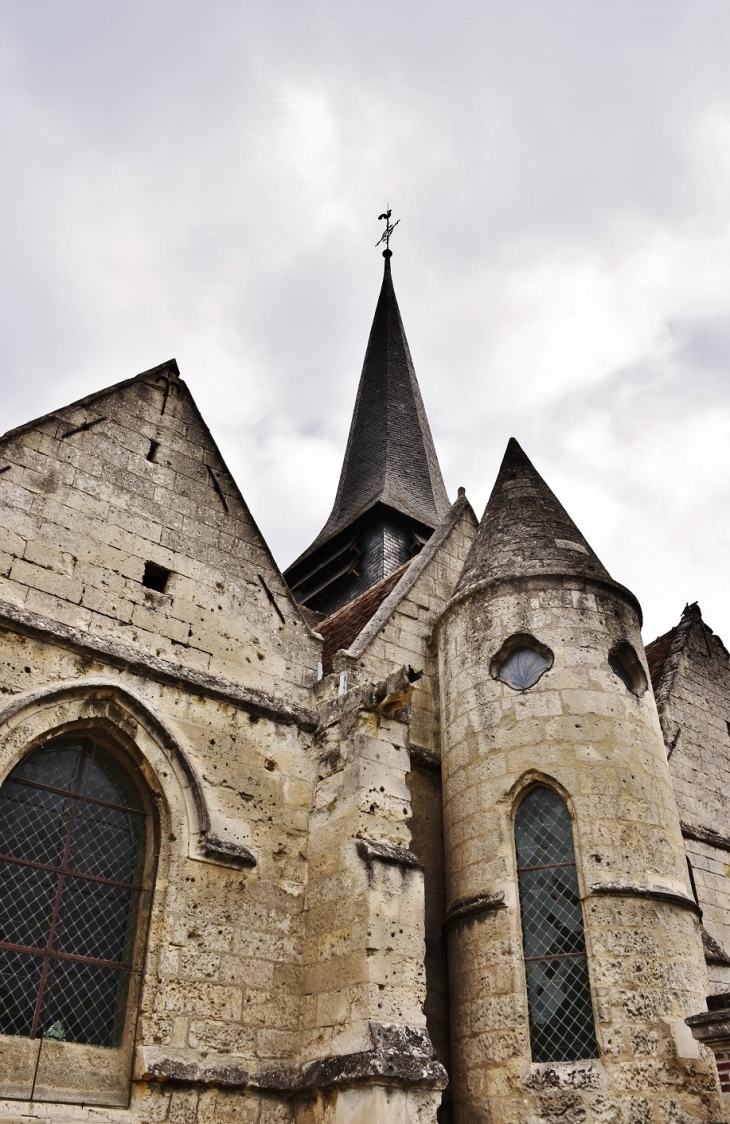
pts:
pixel 584 728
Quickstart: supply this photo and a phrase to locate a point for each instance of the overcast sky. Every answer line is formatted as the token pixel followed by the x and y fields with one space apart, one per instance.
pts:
pixel 202 179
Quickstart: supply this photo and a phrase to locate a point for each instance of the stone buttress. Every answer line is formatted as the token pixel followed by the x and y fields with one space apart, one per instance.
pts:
pixel 588 731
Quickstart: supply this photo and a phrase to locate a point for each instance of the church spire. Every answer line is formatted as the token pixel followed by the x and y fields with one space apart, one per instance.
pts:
pixel 390 456
pixel 391 494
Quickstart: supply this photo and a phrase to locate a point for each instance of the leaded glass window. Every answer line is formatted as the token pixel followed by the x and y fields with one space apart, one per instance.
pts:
pixel 74 887
pixel 558 988
pixel 522 669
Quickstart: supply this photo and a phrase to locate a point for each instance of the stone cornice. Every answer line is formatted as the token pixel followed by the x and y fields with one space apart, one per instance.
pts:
pixel 653 893
pixel 705 835
pixel 398 1054
pixel 710 1026
pixel 369 850
pixel 472 906
pixel 493 584
pixel 237 854
pixel 256 702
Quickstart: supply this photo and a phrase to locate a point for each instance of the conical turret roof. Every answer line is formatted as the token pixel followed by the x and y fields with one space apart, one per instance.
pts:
pixel 390 457
pixel 526 531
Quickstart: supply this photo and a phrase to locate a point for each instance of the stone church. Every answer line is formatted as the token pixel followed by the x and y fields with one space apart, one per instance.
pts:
pixel 416 831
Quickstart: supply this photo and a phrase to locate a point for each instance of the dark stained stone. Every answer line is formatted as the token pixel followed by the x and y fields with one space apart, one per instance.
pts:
pixel 526 531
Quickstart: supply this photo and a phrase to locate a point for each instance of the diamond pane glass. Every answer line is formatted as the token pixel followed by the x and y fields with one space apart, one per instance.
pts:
pixel 523 668
pixel 68 897
pixel 553 918
pixel 561 1015
pixel 108 842
pixel 543 831
pixel 33 823
pixel 94 919
pixel 26 904
pixel 20 976
pixel 55 766
pixel 558 987
pixel 83 1003
pixel 105 779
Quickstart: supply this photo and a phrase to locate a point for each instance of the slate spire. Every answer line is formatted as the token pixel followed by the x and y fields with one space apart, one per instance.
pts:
pixel 526 531
pixel 390 472
pixel 390 456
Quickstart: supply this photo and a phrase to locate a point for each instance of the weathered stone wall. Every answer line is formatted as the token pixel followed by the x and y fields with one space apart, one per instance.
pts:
pixel 223 968
pixel 400 634
pixel 580 730
pixel 296 958
pixel 270 945
pixel 427 844
pixel 694 708
pixel 82 509
pixel 364 950
pixel 205 685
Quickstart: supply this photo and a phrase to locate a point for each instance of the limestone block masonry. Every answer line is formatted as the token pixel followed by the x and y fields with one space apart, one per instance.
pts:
pixel 582 732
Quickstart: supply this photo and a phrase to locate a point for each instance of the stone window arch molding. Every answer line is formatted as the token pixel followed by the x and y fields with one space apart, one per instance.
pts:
pixel 115 712
pixel 129 718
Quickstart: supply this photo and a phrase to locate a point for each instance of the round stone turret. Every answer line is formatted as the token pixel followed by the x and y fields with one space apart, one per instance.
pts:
pixel 574 938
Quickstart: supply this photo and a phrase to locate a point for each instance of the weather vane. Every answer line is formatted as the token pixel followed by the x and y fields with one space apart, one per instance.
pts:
pixel 389 228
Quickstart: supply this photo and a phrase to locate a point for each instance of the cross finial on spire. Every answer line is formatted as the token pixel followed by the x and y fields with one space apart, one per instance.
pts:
pixel 389 228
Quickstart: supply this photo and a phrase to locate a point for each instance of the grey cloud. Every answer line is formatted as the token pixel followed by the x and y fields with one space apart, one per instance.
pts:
pixel 202 180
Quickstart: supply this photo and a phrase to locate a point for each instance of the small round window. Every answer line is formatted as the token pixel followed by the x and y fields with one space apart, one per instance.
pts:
pixel 521 661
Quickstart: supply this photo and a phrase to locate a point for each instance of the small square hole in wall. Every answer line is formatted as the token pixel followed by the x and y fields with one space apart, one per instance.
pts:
pixel 152 454
pixel 728 727
pixel 155 577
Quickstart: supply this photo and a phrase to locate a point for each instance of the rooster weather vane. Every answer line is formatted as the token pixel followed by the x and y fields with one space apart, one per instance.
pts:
pixel 389 228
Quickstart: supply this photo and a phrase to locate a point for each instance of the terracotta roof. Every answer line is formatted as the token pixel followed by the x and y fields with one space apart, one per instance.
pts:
pixel 656 656
pixel 390 457
pixel 343 627
pixel 311 616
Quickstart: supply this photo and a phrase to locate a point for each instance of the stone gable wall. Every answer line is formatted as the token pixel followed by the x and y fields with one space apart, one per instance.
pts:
pixel 81 512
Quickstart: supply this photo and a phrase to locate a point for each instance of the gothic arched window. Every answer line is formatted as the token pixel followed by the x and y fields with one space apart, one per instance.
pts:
pixel 75 881
pixel 558 989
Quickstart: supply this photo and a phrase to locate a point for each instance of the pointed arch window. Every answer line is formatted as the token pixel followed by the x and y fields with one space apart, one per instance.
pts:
pixel 76 866
pixel 558 990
